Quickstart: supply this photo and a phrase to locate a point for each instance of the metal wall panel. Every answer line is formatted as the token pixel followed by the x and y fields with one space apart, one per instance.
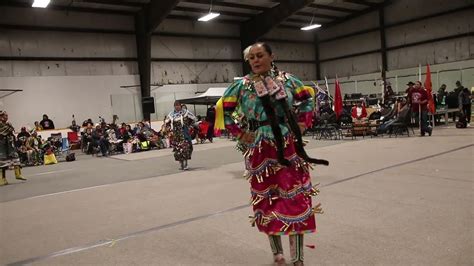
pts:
pixel 124 68
pixel 290 34
pixel 68 44
pixel 350 45
pixel 25 68
pixel 404 9
pixel 292 51
pixel 6 68
pixel 190 72
pixel 471 46
pixel 352 66
pixel 433 53
pixel 196 48
pixel 58 18
pixel 197 27
pixel 52 68
pixel 304 72
pixel 367 21
pixel 437 27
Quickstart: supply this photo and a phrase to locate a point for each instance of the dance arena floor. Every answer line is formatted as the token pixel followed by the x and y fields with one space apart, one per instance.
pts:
pixel 387 201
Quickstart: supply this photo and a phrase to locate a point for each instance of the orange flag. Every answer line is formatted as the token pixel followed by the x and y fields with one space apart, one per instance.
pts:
pixel 338 100
pixel 429 90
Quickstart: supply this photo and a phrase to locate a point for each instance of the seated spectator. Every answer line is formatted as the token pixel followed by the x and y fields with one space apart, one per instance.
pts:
pixel 34 152
pixel 122 130
pixel 86 140
pixel 38 127
pixel 359 112
pixel 23 134
pixel 87 122
pixel 127 137
pixel 46 123
pixel 400 116
pixel 21 149
pixel 99 140
pixel 203 130
pixel 138 127
pixel 74 127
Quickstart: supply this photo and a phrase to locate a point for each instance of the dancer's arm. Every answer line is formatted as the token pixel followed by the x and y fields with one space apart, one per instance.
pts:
pixel 302 94
pixel 230 102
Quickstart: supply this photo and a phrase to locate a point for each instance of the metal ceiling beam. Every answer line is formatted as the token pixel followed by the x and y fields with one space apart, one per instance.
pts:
pixel 255 28
pixel 359 13
pixel 309 14
pixel 12 3
pixel 259 25
pixel 195 18
pixel 115 3
pixel 362 2
pixel 206 10
pixel 157 11
pixel 304 21
pixel 227 4
pixel 333 8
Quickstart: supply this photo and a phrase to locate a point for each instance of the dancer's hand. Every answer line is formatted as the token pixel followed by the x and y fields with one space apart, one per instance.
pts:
pixel 302 127
pixel 247 137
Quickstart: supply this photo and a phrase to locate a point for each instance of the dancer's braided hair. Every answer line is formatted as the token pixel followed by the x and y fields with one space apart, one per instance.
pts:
pixel 292 123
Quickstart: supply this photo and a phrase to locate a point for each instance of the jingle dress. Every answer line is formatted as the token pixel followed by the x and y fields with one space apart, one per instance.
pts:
pixel 8 152
pixel 280 196
pixel 179 123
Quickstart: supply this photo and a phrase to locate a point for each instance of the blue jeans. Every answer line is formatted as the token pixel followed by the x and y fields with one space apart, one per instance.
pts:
pixel 424 121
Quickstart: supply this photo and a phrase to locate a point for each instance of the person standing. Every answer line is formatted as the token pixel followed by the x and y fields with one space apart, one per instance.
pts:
pixel 179 121
pixel 8 153
pixel 418 99
pixel 410 87
pixel 47 123
pixel 210 118
pixel 276 163
pixel 465 104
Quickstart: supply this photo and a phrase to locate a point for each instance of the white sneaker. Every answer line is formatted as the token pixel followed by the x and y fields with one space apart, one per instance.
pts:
pixel 468 125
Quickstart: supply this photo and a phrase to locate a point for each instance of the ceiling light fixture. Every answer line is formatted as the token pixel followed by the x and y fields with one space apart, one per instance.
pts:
pixel 40 3
pixel 210 15
pixel 311 26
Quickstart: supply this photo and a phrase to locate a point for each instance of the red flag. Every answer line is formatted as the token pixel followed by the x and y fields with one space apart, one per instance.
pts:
pixel 338 100
pixel 429 90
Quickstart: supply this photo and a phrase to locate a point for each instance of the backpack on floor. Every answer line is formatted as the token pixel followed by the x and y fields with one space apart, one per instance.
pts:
pixel 71 157
pixel 462 122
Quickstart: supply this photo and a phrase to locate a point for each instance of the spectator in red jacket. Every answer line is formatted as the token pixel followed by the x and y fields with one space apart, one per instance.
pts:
pixel 359 112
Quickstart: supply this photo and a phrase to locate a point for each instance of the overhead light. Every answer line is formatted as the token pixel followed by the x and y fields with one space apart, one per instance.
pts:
pixel 41 3
pixel 209 16
pixel 311 27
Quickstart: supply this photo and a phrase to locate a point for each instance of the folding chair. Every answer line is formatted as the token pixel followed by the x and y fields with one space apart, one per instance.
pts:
pixel 74 141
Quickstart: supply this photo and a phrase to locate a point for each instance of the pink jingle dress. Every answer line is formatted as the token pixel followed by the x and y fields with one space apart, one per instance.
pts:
pixel 280 196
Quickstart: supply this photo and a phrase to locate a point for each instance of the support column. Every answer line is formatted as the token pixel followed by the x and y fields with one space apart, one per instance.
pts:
pixel 316 56
pixel 143 41
pixel 383 43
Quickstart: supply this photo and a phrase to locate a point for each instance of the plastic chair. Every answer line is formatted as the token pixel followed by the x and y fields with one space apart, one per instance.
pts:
pixel 74 141
pixel 73 137
pixel 65 145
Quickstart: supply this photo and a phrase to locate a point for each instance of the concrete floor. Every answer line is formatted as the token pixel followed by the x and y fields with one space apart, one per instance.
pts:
pixel 387 201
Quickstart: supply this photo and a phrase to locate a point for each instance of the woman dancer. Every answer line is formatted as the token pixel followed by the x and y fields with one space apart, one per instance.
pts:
pixel 179 120
pixel 8 153
pixel 277 165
